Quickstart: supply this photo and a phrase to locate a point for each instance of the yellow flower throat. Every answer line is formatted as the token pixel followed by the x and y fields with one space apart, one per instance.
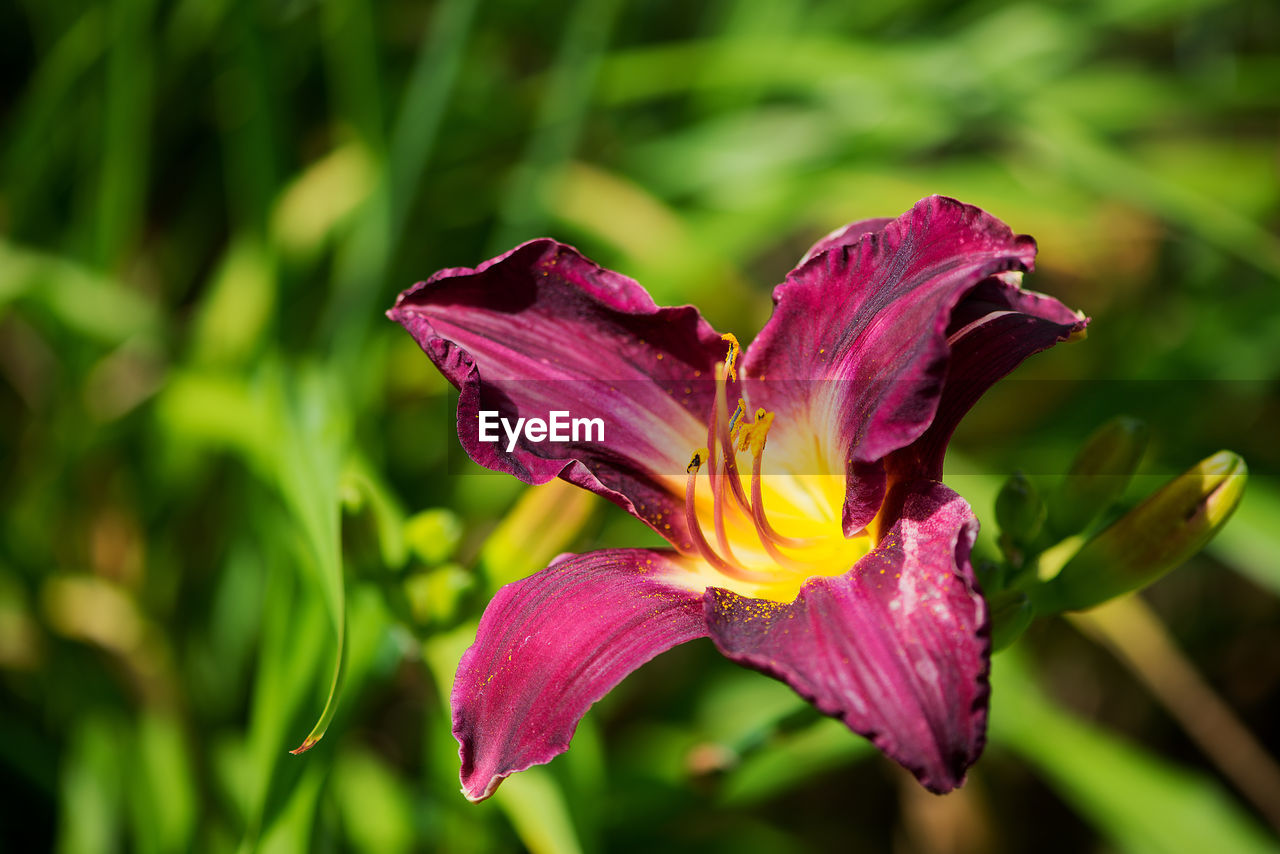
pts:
pixel 750 555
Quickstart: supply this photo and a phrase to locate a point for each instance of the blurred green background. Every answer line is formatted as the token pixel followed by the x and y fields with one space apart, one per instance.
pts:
pixel 219 463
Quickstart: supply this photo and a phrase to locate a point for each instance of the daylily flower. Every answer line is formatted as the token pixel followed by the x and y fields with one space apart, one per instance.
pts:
pixel 798 486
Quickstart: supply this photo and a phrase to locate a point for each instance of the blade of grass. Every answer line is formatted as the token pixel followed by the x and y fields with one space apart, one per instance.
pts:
pixel 91 797
pixel 1137 637
pixel 565 100
pixel 296 631
pixel 422 108
pixel 86 302
pixel 248 120
pixel 792 761
pixel 309 458
pixel 1142 803
pixel 163 796
pixel 293 829
pixel 122 187
pixel 1063 140
pixel 366 256
pixel 536 807
pixel 351 64
pixel 30 160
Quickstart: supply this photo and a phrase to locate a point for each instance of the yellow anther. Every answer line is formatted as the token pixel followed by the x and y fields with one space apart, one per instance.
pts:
pixel 700 456
pixel 735 420
pixel 752 436
pixel 731 358
pixel 760 432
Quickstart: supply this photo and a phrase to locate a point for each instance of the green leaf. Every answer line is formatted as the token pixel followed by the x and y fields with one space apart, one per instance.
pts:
pixel 363 484
pixel 536 807
pixel 162 792
pixel 795 759
pixel 543 523
pixel 237 307
pixel 91 795
pixel 563 111
pixel 1142 803
pixel 309 457
pixel 292 831
pixel 296 635
pixel 84 301
pixel 375 803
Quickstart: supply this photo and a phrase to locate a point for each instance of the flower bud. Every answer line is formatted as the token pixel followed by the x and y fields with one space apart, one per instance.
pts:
pixel 1166 529
pixel 1020 515
pixel 1020 510
pixel 1011 613
pixel 543 523
pixel 1098 476
pixel 433 535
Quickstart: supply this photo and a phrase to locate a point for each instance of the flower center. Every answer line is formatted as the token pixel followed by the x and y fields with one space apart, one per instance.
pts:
pixel 749 554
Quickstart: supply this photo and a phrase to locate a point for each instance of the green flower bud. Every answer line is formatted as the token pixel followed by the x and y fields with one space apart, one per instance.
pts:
pixel 1011 613
pixel 544 522
pixel 1098 476
pixel 433 535
pixel 1168 527
pixel 1020 511
pixel 990 575
pixel 434 595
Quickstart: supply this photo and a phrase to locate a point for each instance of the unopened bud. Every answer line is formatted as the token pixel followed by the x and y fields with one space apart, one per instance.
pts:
pixel 543 523
pixel 433 535
pixel 1098 476
pixel 1011 613
pixel 1166 529
pixel 1020 510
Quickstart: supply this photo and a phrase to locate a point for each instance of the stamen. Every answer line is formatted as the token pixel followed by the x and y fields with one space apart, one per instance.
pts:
pixel 699 457
pixel 724 432
pixel 731 358
pixel 753 437
pixel 736 419
pixel 695 527
pixel 717 513
pixel 713 473
pixel 762 521
pixel 722 441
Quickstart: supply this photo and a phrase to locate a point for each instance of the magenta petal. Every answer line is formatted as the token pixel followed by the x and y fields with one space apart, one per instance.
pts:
pixel 542 329
pixel 897 648
pixel 550 646
pixel 845 236
pixel 858 337
pixel 994 328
